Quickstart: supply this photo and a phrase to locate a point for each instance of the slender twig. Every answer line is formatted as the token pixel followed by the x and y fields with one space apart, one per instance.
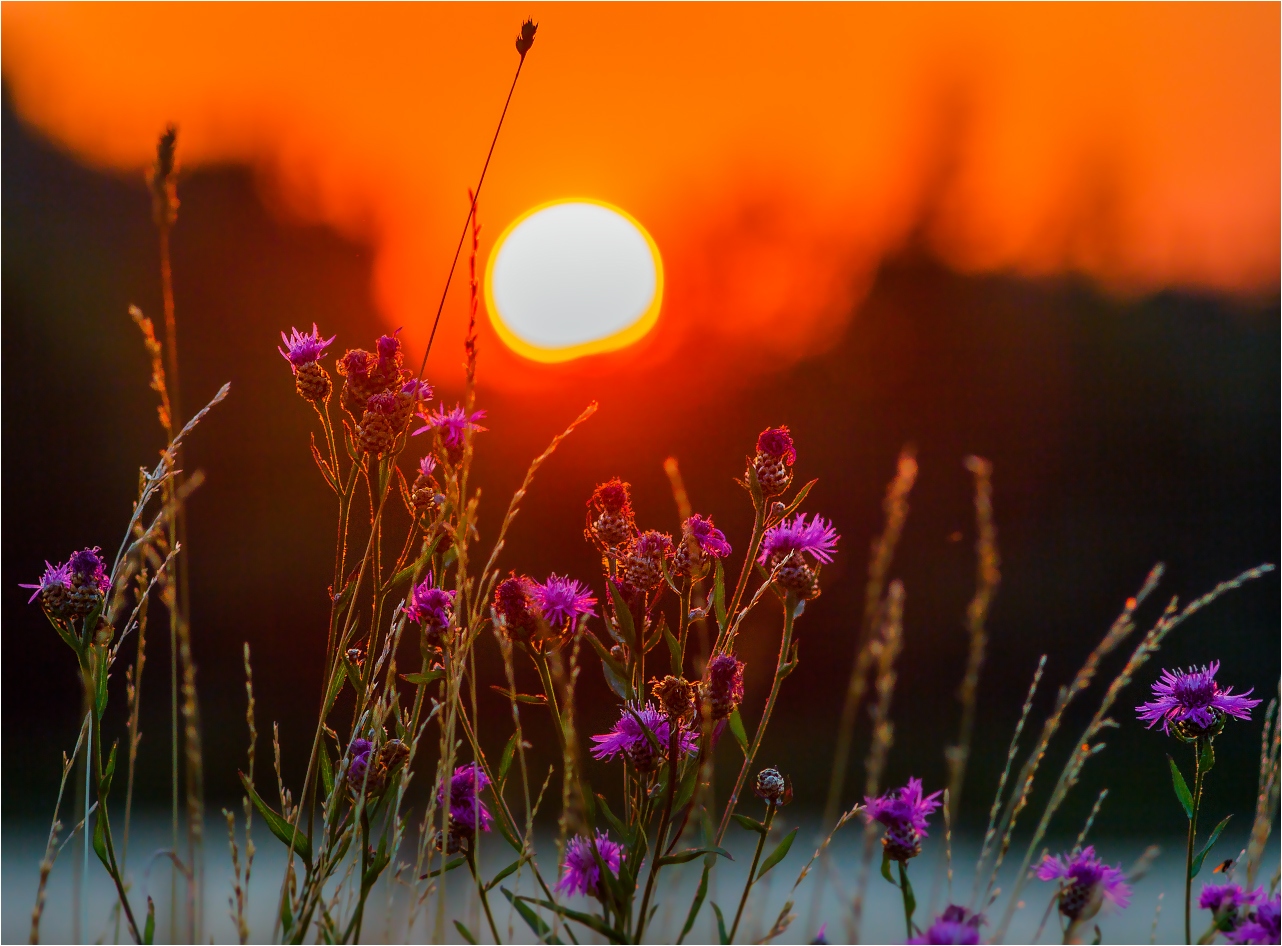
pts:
pixel 771 807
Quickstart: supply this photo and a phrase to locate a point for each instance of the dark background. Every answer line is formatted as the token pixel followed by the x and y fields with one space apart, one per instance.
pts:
pixel 1123 432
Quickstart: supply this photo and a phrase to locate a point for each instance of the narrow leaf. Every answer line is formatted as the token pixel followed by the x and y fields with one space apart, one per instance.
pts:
pixel 1181 789
pixel 697 903
pixel 910 899
pixel 721 925
pixel 100 838
pixel 615 675
pixel 504 874
pixel 335 686
pixel 591 922
pixel 620 828
pixel 505 760
pixel 682 857
pixel 326 769
pixel 752 824
pixel 1207 760
pixel 445 868
pixel 719 595
pixel 1196 867
pixel 885 868
pixel 622 616
pixel 465 932
pixel 149 928
pixel 278 825
pixel 778 854
pixel 532 919
pixel 104 787
pixel 423 679
pixel 674 650
pixel 737 730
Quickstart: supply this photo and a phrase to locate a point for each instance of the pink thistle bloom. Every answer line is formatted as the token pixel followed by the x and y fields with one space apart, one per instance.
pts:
pixel 955 925
pixel 712 541
pixel 1193 696
pixel 562 601
pixel 903 807
pixel 418 390
pixel 389 350
pixel 87 567
pixel 427 465
pixel 303 349
pixel 817 538
pixel 1088 883
pixel 467 811
pixel 452 423
pixel 777 442
pixel 54 576
pixel 430 605
pixel 581 873
pixel 629 739
pixel 1262 925
pixel 1226 898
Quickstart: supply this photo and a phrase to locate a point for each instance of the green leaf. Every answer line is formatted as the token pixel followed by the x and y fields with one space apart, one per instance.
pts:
pixel 104 787
pixel 736 729
pixel 778 854
pixel 422 679
pixel 278 825
pixel 377 863
pixel 149 928
pixel 719 595
pixel 622 617
pixel 336 685
pixel 505 760
pixel 465 932
pixel 754 489
pixel 697 903
pixel 721 920
pixel 286 917
pixel 504 874
pixel 910 899
pixel 752 824
pixel 689 781
pixel 506 831
pixel 615 674
pixel 532 919
pixel 445 868
pixel 591 922
pixel 799 498
pixel 404 575
pixel 100 837
pixel 1196 867
pixel 100 702
pixel 674 650
pixel 326 769
pixel 681 857
pixel 1206 761
pixel 1181 789
pixel 885 868
pixel 620 828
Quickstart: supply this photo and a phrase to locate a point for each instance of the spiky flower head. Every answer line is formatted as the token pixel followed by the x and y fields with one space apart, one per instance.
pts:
pixel 360 778
pixel 356 362
pixel 773 787
pixel 453 426
pixel 1086 883
pixel 628 738
pixel 956 924
pixel 1224 900
pixel 614 495
pixel 304 348
pixel 816 539
pixel 54 583
pixel 514 604
pixel 563 601
pixel 644 562
pixel 430 606
pixel 675 696
pixel 611 522
pixel 468 813
pixel 417 390
pixel 1194 702
pixel 904 812
pixel 1261 925
pixel 723 685
pixel 700 541
pixel 581 873
pixel 777 442
pixel 426 466
pixel 389 350
pixel 526 39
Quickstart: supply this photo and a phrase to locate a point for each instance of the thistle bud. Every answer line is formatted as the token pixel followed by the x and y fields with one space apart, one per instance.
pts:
pixel 643 564
pixel 675 696
pixel 722 689
pixel 611 523
pixel 773 462
pixel 773 787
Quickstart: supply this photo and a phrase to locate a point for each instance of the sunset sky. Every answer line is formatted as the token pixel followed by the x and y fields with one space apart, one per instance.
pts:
pixel 777 153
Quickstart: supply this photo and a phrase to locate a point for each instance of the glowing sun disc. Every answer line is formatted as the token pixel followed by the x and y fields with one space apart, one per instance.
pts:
pixel 572 278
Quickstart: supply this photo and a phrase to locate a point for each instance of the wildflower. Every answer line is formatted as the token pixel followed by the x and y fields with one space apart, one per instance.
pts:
pixel 1224 901
pixel 611 523
pixel 722 689
pixel 628 738
pixel 526 39
pixel 303 352
pixel 367 374
pixel 809 543
pixel 1088 883
pixel 955 925
pixel 643 564
pixel 581 873
pixel 706 540
pixel 514 604
pixel 53 589
pixel 424 494
pixel 675 695
pixel 453 426
pixel 904 812
pixel 1194 702
pixel 1260 925
pixel 432 607
pixel 89 581
pixel 378 429
pixel 562 601
pixel 773 787
pixel 389 352
pixel 467 810
pixel 773 462
pixel 367 772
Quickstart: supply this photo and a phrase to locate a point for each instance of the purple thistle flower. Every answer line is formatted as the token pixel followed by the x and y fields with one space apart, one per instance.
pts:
pixel 777 442
pixel 467 810
pixel 562 601
pixel 1262 925
pixel 389 350
pixel 904 812
pixel 724 689
pixel 712 541
pixel 629 739
pixel 355 363
pixel 581 873
pixel 54 576
pixel 1225 898
pixel 1088 883
pixel 955 925
pixel 1193 696
pixel 303 349
pixel 418 390
pixel 427 465
pixel 357 768
pixel 385 402
pixel 452 423
pixel 87 568
pixel 817 538
pixel 430 605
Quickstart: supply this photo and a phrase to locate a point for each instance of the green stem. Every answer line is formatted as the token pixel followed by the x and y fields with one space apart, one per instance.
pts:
pixel 1198 775
pixel 758 533
pixel 905 890
pixel 480 889
pixel 549 692
pixel 752 871
pixel 661 836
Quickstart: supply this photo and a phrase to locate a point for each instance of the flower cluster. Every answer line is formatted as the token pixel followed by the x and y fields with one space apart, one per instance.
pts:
pixel 1260 924
pixel 1243 916
pixel 380 393
pixel 904 812
pixel 73 589
pixel 797 548
pixel 1086 883
pixel 700 541
pixel 468 813
pixel 1194 703
pixel 451 427
pixel 629 738
pixel 581 873
pixel 431 607
pixel 955 925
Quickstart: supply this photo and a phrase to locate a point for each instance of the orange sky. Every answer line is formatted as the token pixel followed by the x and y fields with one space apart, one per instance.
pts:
pixel 776 152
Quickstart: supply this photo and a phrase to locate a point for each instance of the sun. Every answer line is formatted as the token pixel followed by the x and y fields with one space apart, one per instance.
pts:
pixel 573 277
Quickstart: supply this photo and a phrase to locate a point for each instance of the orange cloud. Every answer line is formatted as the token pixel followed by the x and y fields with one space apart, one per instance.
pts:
pixel 776 152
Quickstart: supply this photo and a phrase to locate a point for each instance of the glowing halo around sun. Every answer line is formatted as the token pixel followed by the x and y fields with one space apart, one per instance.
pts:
pixel 573 277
